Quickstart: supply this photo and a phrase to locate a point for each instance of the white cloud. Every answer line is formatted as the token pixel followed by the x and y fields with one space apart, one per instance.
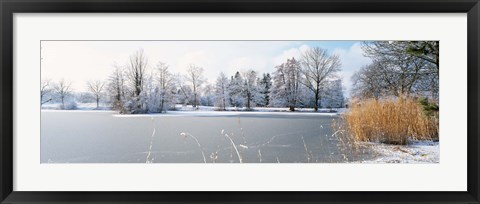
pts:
pixel 242 63
pixel 202 59
pixel 288 54
pixel 352 60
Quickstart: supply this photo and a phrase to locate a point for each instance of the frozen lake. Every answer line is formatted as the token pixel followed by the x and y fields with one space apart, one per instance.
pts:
pixel 107 137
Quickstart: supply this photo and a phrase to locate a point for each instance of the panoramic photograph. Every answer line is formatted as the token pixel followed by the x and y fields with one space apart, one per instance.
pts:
pixel 239 102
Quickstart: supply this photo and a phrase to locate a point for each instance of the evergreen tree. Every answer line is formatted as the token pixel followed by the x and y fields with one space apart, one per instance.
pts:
pixel 265 86
pixel 235 90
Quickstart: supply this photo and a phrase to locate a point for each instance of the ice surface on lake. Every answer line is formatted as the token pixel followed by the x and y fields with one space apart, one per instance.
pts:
pixel 106 137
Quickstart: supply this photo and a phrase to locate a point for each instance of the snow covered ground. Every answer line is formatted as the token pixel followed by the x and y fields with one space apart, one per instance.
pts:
pixel 201 110
pixel 255 109
pixel 221 113
pixel 79 106
pixel 415 152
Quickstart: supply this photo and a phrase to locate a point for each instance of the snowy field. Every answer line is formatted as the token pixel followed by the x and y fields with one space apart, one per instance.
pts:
pixel 415 152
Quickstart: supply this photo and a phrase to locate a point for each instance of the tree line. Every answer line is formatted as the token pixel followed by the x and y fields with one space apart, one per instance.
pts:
pixel 399 69
pixel 136 87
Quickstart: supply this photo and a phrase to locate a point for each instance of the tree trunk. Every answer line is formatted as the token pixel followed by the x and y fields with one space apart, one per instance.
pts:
pixel 161 105
pixel 195 100
pixel 316 101
pixel 224 108
pixel 319 101
pixel 248 101
pixel 97 101
pixel 292 108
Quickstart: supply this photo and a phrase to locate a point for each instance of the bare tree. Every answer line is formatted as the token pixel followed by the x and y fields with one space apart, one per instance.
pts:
pixel 368 82
pixel 166 84
pixel 318 66
pixel 401 76
pixel 116 88
pixel 427 51
pixel 402 68
pixel 195 77
pixel 96 87
pixel 62 88
pixel 184 92
pixel 44 90
pixel 136 69
pixel 135 76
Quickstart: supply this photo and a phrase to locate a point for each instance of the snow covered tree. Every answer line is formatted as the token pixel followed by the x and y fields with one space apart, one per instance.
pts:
pixel 135 75
pixel 208 95
pixel 62 89
pixel 333 94
pixel 136 71
pixel 150 95
pixel 317 66
pixel 195 77
pixel 45 90
pixel 116 88
pixel 286 90
pixel 184 92
pixel 166 85
pixel 235 90
pixel 265 85
pixel 221 91
pixel 84 97
pixel 250 89
pixel 160 89
pixel 96 88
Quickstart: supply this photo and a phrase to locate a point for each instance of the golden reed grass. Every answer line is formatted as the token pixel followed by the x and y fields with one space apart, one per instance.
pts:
pixel 391 121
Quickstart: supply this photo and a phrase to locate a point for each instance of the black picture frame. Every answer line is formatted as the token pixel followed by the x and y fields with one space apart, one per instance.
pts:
pixel 10 7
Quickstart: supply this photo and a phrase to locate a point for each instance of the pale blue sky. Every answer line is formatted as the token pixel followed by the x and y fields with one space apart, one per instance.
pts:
pixel 80 61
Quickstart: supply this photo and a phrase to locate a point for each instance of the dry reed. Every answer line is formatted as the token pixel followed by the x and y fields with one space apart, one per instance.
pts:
pixel 392 121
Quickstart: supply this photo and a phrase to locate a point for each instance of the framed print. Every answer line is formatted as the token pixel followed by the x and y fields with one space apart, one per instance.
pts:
pixel 256 102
